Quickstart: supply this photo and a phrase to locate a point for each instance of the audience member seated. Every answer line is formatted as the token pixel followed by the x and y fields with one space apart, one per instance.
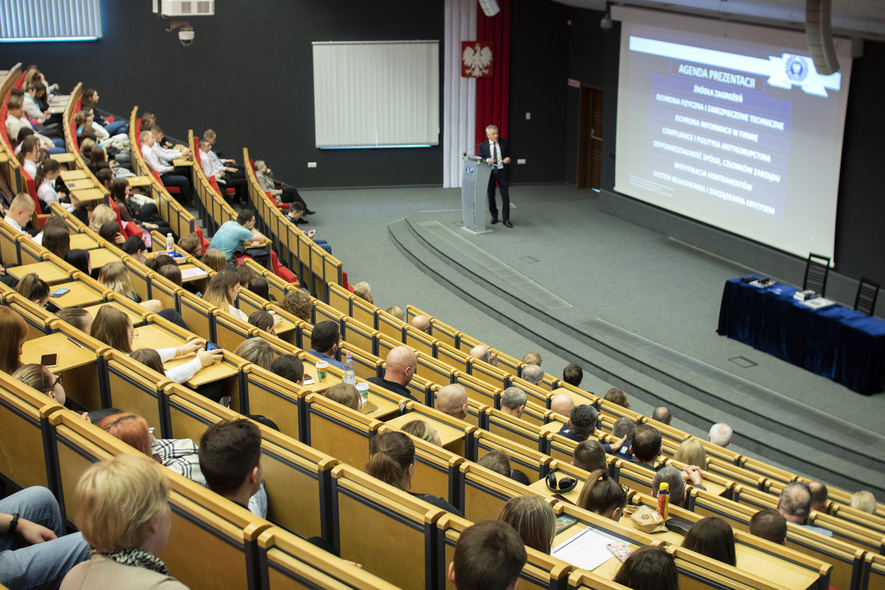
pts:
pixel 713 538
pixel 76 317
pixel 646 445
pixel 89 100
pixel 215 260
pixel 452 400
pixel 237 236
pixel 392 460
pixel 43 380
pixel 363 290
pixel 674 479
pixel 590 456
pixel 33 552
pixel 345 394
pixel 225 176
pixel 222 292
pixel 299 304
pixel 171 272
pixel 421 323
pixel 513 401
pixel 16 119
pixel 795 505
pixel 819 496
pixel 770 525
pixel 562 403
pixel 534 374
pixel 20 212
pixel 532 358
pixel 260 287
pixel 230 458
pixel 179 455
pixel 136 209
pixel 110 232
pixel 499 462
pixel 624 427
pixel 533 520
pixel 720 434
pixel 649 568
pixel 34 289
pixel 691 452
pixel 289 366
pixel 481 352
pixel 397 312
pixel 865 501
pixel 572 374
pixel 283 193
pixel 662 415
pixel 15 332
pixel 125 536
pixel 399 368
pixel 617 397
pixel 324 342
pixel 47 172
pixel 115 276
pixel 488 556
pixel 263 320
pixel 113 327
pixel 191 244
pixel 80 260
pixel 581 423
pixel 295 215
pixel 245 274
pixel 57 240
pixel 602 495
pixel 422 430
pixel 257 351
pixel 185 195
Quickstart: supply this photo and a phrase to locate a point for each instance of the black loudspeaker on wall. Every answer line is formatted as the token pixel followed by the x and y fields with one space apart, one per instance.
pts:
pixel 820 36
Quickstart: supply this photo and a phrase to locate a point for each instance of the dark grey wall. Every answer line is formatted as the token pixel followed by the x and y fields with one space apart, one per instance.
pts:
pixel 248 75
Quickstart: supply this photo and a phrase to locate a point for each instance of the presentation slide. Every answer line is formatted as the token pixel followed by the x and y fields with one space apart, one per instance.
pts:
pixel 731 125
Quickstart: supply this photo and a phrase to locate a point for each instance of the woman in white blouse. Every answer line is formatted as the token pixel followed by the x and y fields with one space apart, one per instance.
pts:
pixel 222 292
pixel 113 327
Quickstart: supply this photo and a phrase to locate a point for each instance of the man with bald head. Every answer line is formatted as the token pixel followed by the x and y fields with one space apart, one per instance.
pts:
pixel 795 505
pixel 422 323
pixel 562 403
pixel 398 371
pixel 720 434
pixel 452 400
pixel 482 352
pixel 662 415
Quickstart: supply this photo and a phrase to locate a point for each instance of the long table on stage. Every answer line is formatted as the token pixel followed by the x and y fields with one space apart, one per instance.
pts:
pixel 836 342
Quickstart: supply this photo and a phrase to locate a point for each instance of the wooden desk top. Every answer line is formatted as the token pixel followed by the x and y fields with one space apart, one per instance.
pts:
pixel 139 180
pixel 80 295
pixel 385 409
pixel 153 336
pixel 209 374
pixel 101 256
pixel 70 354
pixel 78 184
pixel 82 242
pixel 182 162
pixel 284 327
pixel 137 320
pixel 541 488
pixel 67 175
pixel 65 158
pixel 46 270
pixel 550 428
pixel 447 434
pixel 88 195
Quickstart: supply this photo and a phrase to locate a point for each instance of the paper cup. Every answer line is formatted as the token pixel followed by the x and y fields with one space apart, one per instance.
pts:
pixel 363 388
pixel 321 371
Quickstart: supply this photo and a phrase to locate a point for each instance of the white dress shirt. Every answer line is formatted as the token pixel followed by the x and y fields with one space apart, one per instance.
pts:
pixel 151 160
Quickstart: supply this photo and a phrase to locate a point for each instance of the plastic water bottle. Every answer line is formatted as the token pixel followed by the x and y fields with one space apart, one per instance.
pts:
pixel 170 243
pixel 349 372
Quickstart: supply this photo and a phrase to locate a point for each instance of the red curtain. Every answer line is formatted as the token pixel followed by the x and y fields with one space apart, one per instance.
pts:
pixel 493 94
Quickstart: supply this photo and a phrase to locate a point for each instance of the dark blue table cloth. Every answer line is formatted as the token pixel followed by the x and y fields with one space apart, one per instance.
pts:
pixel 835 342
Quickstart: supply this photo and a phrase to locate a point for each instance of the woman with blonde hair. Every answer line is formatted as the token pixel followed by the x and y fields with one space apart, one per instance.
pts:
pixel 43 380
pixel 691 452
pixel 602 495
pixel 392 460
pixel 257 351
pixel 423 430
pixel 222 292
pixel 101 215
pixel 115 276
pixel 533 519
pixel 15 332
pixel 122 508
pixel 215 259
pixel 113 327
pixel 345 394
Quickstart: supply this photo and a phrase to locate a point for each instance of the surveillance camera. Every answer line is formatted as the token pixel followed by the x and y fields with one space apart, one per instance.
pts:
pixel 186 35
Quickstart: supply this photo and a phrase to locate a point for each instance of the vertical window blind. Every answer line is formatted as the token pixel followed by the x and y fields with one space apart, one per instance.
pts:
pixel 376 94
pixel 49 20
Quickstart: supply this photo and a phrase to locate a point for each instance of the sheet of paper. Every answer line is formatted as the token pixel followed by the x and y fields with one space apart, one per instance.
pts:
pixel 586 550
pixel 190 273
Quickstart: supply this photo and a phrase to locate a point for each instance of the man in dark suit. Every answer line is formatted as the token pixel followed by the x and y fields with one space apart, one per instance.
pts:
pixel 497 153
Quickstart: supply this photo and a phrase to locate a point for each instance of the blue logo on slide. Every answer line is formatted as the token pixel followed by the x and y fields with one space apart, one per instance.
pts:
pixel 797 69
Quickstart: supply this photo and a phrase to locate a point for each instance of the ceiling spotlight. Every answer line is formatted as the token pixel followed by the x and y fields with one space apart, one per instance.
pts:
pixel 606 23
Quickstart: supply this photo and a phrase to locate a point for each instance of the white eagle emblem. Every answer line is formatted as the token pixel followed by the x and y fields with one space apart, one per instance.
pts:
pixel 476 60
